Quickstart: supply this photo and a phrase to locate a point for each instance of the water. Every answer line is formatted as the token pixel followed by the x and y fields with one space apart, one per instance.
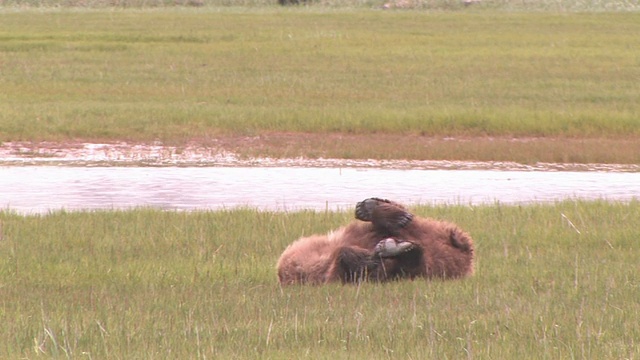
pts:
pixel 39 189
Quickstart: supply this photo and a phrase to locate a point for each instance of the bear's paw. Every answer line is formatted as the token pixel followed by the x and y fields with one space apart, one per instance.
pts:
pixel 391 247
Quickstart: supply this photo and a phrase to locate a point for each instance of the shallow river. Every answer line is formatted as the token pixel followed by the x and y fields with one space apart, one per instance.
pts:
pixel 39 189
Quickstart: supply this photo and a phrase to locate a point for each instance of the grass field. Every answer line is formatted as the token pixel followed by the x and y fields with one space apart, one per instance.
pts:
pixel 338 78
pixel 177 74
pixel 553 281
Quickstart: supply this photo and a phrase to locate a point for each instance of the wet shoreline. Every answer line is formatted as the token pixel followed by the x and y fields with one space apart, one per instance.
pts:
pixel 88 176
pixel 157 155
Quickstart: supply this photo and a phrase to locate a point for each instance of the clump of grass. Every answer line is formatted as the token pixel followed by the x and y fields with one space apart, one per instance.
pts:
pixel 556 281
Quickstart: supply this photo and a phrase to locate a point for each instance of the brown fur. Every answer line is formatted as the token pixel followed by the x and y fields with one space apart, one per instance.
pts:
pixel 320 259
pixel 441 250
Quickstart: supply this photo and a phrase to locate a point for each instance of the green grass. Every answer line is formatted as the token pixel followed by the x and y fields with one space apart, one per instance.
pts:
pixel 553 281
pixel 177 74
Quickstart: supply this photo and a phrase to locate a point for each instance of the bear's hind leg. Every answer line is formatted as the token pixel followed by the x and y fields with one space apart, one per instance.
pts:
pixel 387 216
pixel 354 264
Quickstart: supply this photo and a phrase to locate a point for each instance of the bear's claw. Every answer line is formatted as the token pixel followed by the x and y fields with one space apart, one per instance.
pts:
pixel 391 247
pixel 404 219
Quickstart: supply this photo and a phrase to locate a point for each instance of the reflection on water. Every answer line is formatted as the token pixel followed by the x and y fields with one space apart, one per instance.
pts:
pixel 38 189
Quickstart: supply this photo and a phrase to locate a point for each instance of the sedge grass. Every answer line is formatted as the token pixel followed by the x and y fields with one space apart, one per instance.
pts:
pixel 177 74
pixel 553 281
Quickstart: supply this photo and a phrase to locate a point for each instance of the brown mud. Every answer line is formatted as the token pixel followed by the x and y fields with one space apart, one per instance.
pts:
pixel 339 150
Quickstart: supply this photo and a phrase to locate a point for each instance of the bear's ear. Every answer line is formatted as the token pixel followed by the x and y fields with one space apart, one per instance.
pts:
pixel 460 240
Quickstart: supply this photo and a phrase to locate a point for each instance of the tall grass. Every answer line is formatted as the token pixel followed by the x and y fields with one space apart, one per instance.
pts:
pixel 552 281
pixel 178 74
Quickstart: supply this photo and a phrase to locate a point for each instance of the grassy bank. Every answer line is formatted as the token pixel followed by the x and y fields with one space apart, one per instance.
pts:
pixel 179 75
pixel 553 281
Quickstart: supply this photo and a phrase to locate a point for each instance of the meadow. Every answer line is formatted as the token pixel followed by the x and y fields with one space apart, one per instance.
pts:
pixel 499 80
pixel 565 81
pixel 553 281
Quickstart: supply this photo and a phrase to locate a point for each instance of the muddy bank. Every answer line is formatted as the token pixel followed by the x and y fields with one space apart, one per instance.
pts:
pixel 158 155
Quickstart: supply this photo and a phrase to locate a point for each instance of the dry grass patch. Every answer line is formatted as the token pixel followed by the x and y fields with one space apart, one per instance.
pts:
pixel 416 147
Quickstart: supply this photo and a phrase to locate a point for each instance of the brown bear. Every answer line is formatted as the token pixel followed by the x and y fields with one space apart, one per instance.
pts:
pixel 388 243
